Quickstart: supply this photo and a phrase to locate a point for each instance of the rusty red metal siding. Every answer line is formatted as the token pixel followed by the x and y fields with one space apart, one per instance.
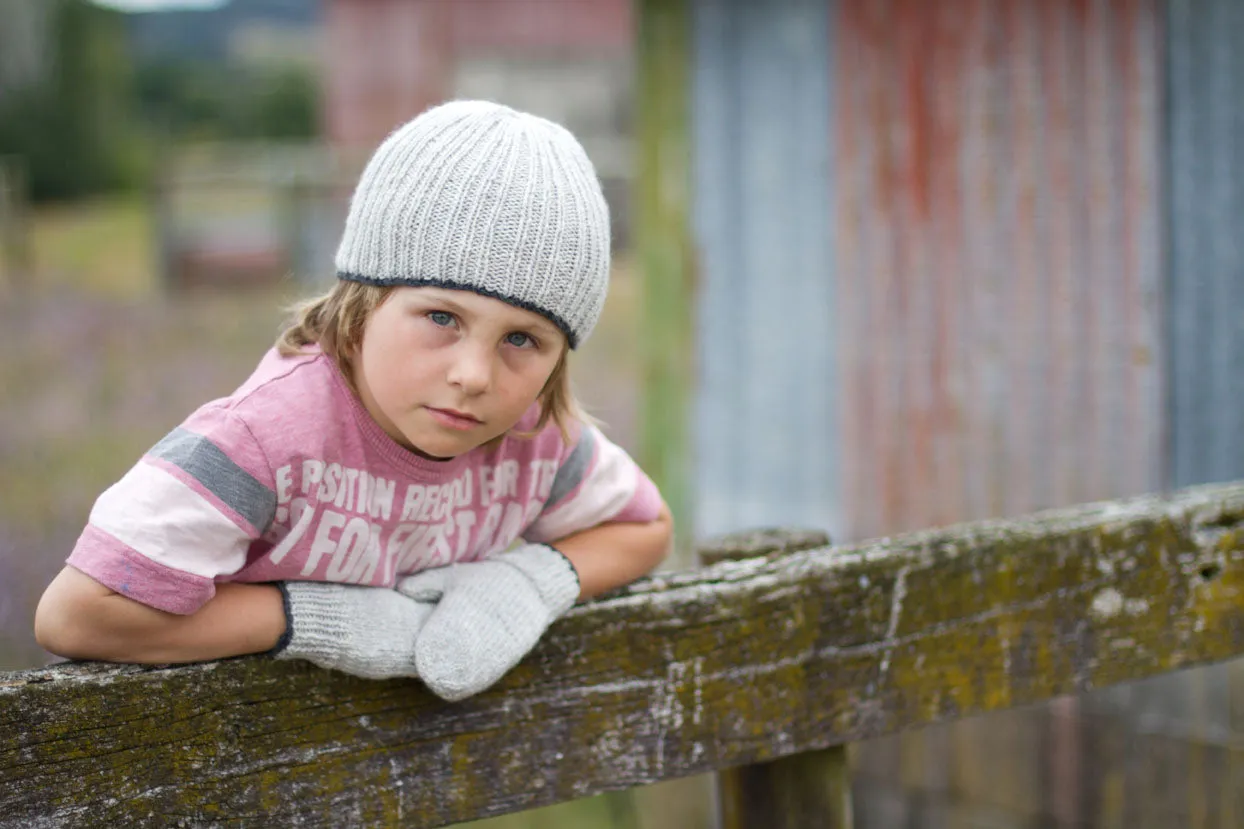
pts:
pixel 998 255
pixel 566 26
pixel 387 60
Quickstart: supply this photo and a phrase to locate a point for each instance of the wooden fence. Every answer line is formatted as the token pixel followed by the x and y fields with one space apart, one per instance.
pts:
pixel 761 666
pixel 246 213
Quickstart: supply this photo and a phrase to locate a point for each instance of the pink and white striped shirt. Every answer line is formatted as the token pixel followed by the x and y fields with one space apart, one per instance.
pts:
pixel 289 478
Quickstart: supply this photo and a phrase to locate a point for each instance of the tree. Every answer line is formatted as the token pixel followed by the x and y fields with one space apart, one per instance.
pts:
pixel 196 99
pixel 71 122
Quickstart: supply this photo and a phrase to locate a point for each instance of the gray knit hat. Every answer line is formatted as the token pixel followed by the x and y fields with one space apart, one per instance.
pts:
pixel 477 196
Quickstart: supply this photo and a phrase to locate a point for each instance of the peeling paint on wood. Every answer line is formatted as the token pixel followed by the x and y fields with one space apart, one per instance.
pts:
pixel 742 662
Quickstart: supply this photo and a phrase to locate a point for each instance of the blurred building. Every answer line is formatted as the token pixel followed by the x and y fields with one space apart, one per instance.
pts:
pixel 239 29
pixel 387 60
pixel 241 214
pixel 269 45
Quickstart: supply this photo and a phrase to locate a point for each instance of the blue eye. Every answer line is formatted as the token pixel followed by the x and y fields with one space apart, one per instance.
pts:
pixel 441 318
pixel 520 340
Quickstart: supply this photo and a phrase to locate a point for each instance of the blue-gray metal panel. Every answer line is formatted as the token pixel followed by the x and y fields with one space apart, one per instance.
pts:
pixel 766 442
pixel 1206 279
pixel 1204 297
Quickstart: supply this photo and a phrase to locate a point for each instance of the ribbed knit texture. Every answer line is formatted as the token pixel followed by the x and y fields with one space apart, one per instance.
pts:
pixel 490 615
pixel 364 631
pixel 478 196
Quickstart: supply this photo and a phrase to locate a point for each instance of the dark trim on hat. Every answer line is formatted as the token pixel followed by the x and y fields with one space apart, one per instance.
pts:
pixel 402 281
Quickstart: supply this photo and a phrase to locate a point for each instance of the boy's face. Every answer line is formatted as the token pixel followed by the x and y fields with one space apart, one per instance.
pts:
pixel 445 371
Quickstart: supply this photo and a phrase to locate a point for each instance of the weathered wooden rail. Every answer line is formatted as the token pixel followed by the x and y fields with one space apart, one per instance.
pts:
pixel 746 662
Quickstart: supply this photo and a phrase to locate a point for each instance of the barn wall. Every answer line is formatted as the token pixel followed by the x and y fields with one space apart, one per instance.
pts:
pixel 387 60
pixel 931 292
pixel 1206 293
pixel 999 256
pixel 765 431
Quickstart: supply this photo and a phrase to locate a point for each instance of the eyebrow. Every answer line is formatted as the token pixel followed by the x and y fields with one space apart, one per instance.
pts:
pixel 543 327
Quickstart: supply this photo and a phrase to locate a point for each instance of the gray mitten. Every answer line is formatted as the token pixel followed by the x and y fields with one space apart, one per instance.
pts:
pixel 489 615
pixel 364 631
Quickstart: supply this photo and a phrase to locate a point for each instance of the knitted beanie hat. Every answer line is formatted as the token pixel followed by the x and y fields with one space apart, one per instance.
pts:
pixel 477 196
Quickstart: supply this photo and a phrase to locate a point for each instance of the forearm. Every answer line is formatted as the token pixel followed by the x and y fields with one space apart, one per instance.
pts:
pixel 79 618
pixel 611 555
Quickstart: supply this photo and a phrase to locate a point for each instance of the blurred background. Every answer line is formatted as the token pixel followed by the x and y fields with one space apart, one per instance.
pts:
pixel 880 265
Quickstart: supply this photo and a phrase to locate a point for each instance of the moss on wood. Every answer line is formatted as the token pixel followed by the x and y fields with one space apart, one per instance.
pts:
pixel 741 662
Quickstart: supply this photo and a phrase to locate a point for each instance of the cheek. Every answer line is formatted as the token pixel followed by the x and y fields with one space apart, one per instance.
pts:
pixel 529 373
pixel 398 352
pixel 386 373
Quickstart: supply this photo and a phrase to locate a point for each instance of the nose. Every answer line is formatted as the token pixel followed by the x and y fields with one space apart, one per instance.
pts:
pixel 471 367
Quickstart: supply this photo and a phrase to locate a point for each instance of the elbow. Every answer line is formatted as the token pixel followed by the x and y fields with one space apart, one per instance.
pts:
pixel 69 630
pixel 55 631
pixel 665 524
pixel 74 631
pixel 72 620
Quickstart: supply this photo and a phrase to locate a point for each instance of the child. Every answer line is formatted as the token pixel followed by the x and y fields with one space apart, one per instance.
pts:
pixel 417 419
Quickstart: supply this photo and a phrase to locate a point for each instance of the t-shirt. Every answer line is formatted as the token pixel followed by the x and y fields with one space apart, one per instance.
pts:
pixel 289 478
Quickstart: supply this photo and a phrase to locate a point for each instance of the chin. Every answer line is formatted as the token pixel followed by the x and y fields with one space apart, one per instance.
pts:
pixel 439 447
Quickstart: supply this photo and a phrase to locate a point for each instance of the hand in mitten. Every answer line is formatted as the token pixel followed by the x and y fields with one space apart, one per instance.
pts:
pixel 364 631
pixel 489 615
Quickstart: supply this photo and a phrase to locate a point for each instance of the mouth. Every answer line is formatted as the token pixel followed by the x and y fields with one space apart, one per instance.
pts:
pixel 454 419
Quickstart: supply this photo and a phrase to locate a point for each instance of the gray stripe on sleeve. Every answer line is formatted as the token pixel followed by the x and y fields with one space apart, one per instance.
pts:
pixel 570 473
pixel 207 463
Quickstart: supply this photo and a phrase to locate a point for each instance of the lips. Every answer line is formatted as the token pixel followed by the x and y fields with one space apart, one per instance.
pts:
pixel 454 419
pixel 459 415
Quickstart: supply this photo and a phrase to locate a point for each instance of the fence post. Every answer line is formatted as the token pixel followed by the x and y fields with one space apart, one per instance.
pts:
pixel 663 252
pixel 162 202
pixel 14 227
pixel 812 789
pixel 292 197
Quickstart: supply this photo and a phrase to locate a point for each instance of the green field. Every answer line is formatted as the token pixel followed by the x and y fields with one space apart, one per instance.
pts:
pixel 103 246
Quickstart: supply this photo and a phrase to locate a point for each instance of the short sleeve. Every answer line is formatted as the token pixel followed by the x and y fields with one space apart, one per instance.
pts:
pixel 596 483
pixel 184 515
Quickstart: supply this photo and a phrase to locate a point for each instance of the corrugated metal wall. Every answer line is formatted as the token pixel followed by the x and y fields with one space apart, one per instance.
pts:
pixel 998 256
pixel 999 268
pixel 1196 718
pixel 766 443
pixel 993 331
pixel 1206 48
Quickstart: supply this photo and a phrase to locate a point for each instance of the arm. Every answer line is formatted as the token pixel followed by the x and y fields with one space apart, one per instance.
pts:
pixel 613 554
pixel 364 631
pixel 79 618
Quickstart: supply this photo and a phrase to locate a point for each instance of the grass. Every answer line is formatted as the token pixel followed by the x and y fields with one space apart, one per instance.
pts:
pixel 105 246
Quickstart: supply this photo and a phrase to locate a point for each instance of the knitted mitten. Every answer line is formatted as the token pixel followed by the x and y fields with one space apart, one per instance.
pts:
pixel 364 631
pixel 489 615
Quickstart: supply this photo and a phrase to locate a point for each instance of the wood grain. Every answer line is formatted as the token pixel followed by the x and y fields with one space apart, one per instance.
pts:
pixel 742 662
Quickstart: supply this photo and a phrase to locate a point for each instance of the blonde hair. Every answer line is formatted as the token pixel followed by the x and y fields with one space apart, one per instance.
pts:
pixel 335 321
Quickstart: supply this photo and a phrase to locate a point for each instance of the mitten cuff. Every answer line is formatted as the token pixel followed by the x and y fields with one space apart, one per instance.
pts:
pixel 550 571
pixel 283 642
pixel 315 620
